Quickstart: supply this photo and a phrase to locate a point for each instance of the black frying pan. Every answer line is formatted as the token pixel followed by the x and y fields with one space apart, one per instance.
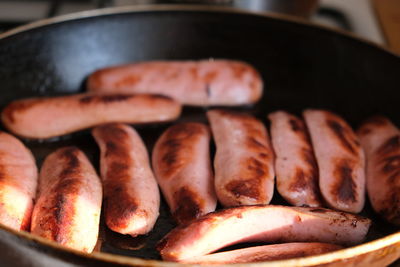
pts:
pixel 302 65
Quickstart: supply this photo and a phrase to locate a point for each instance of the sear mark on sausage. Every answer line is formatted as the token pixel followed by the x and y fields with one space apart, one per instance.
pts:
pixel 127 80
pixel 392 204
pixel 345 187
pixel 376 121
pixel 72 165
pixel 342 134
pixel 104 98
pixel 296 125
pixel 250 186
pixel 391 164
pixel 188 205
pixel 390 146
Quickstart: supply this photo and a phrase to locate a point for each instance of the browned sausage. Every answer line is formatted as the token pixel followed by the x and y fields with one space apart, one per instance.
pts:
pixel 340 158
pixel 381 142
pixel 181 161
pixel 18 181
pixel 265 253
pixel 69 200
pixel 295 164
pixel 198 83
pixel 244 160
pixel 54 116
pixel 266 223
pixel 131 196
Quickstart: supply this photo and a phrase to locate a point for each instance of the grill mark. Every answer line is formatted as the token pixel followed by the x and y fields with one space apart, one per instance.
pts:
pixel 390 146
pixel 188 205
pixel 251 185
pixel 253 143
pixel 344 135
pixel 391 206
pixel 72 165
pixel 391 164
pixel 296 125
pixel 88 99
pixel 128 81
pixel 375 121
pixel 345 188
pixel 177 146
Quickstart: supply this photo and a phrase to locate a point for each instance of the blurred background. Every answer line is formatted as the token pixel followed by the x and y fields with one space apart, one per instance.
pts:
pixel 375 20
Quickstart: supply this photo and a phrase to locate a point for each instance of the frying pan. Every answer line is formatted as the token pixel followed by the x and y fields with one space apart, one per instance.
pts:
pixel 302 65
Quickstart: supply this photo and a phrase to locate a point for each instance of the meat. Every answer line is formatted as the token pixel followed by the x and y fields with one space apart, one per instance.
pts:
pixel 381 142
pixel 266 223
pixel 244 160
pixel 295 164
pixel 181 161
pixel 340 160
pixel 198 83
pixel 131 196
pixel 69 200
pixel 54 116
pixel 18 182
pixel 265 253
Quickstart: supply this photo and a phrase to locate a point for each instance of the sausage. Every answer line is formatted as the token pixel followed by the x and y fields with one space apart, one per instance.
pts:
pixel 381 142
pixel 340 159
pixel 54 116
pixel 197 83
pixel 181 162
pixel 244 159
pixel 69 200
pixel 131 196
pixel 295 164
pixel 18 182
pixel 265 253
pixel 264 223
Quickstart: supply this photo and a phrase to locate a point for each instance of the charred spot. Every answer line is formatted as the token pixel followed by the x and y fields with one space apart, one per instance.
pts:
pixel 120 206
pixel 391 164
pixel 296 125
pixel 345 188
pixel 390 146
pixel 263 155
pixel 254 143
pixel 117 170
pixel 159 97
pixel 304 181
pixel 256 167
pixel 391 206
pixel 104 98
pixel 128 81
pixel 188 206
pixel 72 164
pixel 113 132
pixel 308 156
pixel 184 131
pixel 343 134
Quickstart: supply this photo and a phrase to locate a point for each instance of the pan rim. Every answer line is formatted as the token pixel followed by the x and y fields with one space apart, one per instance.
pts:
pixel 191 8
pixel 342 254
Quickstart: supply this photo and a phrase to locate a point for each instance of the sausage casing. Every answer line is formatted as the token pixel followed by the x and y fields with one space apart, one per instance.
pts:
pixel 181 161
pixel 131 196
pixel 244 160
pixel 340 158
pixel 295 164
pixel 381 142
pixel 264 223
pixel 54 116
pixel 68 206
pixel 198 83
pixel 18 182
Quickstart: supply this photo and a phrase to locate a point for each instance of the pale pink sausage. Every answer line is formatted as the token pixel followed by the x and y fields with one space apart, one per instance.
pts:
pixel 244 160
pixel 198 83
pixel 131 196
pixel 295 164
pixel 54 116
pixel 340 158
pixel 68 206
pixel 263 223
pixel 381 142
pixel 181 162
pixel 18 182
pixel 265 253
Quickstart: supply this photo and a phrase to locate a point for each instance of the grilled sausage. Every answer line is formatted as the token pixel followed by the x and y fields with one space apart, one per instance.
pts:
pixel 244 171
pixel 198 83
pixel 265 253
pixel 181 161
pixel 54 116
pixel 295 164
pixel 381 142
pixel 18 182
pixel 69 200
pixel 131 196
pixel 266 223
pixel 340 160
